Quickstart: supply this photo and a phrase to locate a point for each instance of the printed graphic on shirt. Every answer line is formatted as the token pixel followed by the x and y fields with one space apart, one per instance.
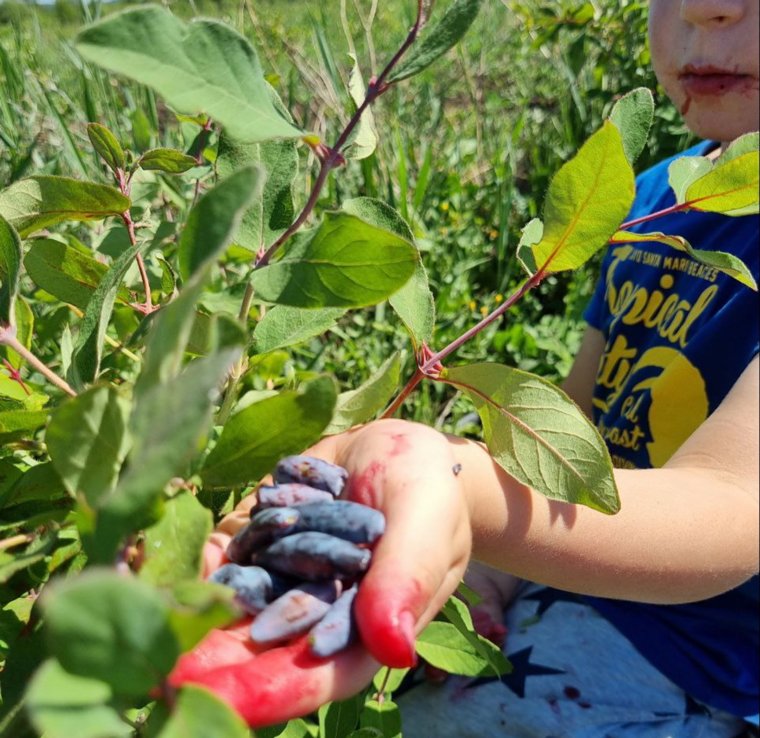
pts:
pixel 650 389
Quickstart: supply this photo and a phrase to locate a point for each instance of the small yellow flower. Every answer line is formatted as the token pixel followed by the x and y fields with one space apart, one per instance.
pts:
pixel 499 299
pixel 472 305
pixel 445 207
pixel 484 311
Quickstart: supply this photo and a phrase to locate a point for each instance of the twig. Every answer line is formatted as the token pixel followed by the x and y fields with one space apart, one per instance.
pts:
pixel 8 338
pixel 14 541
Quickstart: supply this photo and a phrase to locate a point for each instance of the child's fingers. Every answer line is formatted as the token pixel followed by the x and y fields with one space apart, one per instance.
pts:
pixel 281 683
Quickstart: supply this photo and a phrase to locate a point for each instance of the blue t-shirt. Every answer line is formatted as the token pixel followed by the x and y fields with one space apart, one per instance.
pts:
pixel 678 336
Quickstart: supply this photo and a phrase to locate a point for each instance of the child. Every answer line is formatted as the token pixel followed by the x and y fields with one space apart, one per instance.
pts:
pixel 644 623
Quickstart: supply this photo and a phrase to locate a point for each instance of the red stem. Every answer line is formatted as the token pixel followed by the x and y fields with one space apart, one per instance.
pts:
pixel 376 88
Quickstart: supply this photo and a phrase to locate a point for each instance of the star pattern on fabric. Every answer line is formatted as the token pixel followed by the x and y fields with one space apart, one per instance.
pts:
pixel 549 596
pixel 522 668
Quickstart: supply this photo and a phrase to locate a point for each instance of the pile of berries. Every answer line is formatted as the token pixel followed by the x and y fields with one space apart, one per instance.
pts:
pixel 297 564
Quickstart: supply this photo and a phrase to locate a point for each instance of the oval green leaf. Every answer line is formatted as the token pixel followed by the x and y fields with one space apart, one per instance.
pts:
pixel 65 272
pixel 87 440
pixel 438 38
pixel 44 200
pixel 110 627
pixel 284 326
pixel 170 161
pixel 254 439
pixel 720 260
pixel 215 218
pixel 107 146
pixel 202 66
pixel 633 115
pixel 539 435
pixel 345 262
pixel 587 201
pixel 363 403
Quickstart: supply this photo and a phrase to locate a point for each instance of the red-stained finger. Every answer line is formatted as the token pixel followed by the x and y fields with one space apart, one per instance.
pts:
pixel 281 683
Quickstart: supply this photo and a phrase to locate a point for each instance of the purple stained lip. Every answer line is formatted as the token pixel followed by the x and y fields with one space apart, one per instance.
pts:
pixel 708 80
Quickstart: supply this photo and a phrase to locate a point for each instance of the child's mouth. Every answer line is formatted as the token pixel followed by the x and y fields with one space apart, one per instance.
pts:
pixel 712 81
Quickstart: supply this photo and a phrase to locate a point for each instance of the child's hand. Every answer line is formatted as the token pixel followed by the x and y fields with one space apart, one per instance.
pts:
pixel 416 565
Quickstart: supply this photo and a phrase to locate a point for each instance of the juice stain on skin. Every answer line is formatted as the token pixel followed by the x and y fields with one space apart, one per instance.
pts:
pixel 364 487
pixel 687 104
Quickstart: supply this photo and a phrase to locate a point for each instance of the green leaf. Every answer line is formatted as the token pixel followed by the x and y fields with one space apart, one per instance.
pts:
pixel 362 404
pixel 214 220
pixel 62 705
pixel 110 627
pixel 414 302
pixel 44 200
pixel 254 439
pixel 382 716
pixel 438 38
pixel 10 272
pixel 363 139
pixel 530 235
pixel 284 326
pixel 719 260
pixel 168 425
pixel 66 272
pixel 199 607
pixel 730 187
pixel 170 161
pixel 168 338
pixel 87 441
pixel 174 546
pixel 345 262
pixel 268 217
pixel 107 146
pixel 587 201
pixel 684 171
pixel 633 115
pixel 88 349
pixel 443 646
pixel 198 713
pixel 340 718
pixel 202 66
pixel 388 680
pixel 15 424
pixel 539 436
pixel 457 613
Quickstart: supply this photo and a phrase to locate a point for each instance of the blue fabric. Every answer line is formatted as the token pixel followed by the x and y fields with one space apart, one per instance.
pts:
pixel 678 337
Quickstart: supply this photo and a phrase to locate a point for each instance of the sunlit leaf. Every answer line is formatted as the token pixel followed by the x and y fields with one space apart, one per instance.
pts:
pixel 284 326
pixel 731 187
pixel 107 146
pixel 363 140
pixel 538 435
pixel 345 262
pixel 587 200
pixel 720 260
pixel 66 273
pixel 44 200
pixel 201 66
pixel 363 403
pixel 254 439
pixel 170 161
